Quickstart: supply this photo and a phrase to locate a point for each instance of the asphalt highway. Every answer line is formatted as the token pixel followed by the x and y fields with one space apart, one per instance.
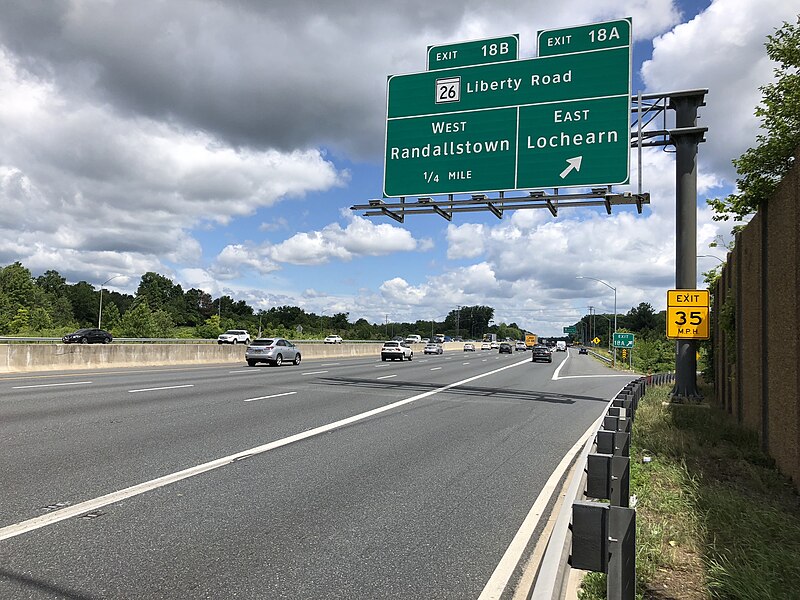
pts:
pixel 344 478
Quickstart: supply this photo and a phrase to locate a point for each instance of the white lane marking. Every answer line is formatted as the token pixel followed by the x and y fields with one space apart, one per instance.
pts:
pixel 272 396
pixel 76 510
pixel 590 376
pixel 41 385
pixel 314 372
pixel 158 389
pixel 329 364
pixel 435 368
pixel 386 376
pixel 558 370
pixel 484 359
pixel 243 371
pixel 497 583
pixel 466 363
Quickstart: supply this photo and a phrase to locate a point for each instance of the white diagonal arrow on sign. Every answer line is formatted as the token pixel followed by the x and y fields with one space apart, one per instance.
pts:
pixel 574 163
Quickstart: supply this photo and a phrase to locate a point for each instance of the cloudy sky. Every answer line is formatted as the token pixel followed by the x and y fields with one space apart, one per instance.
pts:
pixel 221 144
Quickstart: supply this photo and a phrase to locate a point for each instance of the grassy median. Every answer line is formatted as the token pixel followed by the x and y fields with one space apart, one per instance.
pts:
pixel 715 519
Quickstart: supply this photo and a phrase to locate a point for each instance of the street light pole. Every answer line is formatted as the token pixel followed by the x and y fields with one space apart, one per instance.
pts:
pixel 100 312
pixel 614 358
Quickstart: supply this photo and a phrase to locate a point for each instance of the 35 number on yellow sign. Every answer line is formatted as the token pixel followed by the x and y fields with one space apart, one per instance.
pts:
pixel 690 322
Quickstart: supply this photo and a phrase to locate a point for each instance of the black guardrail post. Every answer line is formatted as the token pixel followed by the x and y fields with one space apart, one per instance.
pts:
pixel 604 535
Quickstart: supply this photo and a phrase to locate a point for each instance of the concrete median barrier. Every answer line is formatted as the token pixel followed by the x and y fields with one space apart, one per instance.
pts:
pixel 42 357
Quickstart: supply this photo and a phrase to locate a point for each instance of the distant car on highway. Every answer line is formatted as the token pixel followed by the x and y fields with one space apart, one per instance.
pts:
pixel 486 346
pixel 583 350
pixel 494 345
pixel 469 347
pixel 332 339
pixel 433 349
pixel 542 353
pixel 90 335
pixel 234 336
pixel 394 350
pixel 519 345
pixel 273 351
pixel 505 348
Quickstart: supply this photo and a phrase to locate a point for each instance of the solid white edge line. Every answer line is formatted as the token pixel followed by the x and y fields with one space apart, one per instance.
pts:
pixel 385 376
pixel 272 396
pixel 497 583
pixel 158 389
pixel 89 505
pixel 41 385
pixel 313 372
pixel 592 376
pixel 558 370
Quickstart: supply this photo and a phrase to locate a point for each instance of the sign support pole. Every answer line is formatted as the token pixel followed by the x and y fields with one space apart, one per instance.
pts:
pixel 686 136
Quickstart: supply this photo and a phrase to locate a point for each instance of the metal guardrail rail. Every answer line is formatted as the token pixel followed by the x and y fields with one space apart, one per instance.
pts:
pixel 597 536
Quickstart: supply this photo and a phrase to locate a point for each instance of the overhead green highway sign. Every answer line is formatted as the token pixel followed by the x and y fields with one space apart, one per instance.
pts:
pixel 595 36
pixel 475 52
pixel 555 121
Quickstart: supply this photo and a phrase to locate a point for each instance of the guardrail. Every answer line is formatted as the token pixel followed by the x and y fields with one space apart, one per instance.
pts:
pixel 595 535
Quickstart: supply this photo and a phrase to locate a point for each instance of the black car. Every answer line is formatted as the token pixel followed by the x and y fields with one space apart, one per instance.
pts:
pixel 88 336
pixel 506 347
pixel 540 352
pixel 583 350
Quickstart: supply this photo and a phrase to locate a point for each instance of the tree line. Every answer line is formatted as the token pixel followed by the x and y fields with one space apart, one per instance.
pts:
pixel 48 306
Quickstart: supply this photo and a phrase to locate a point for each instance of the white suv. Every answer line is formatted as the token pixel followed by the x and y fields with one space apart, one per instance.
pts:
pixel 234 336
pixel 396 351
pixel 332 339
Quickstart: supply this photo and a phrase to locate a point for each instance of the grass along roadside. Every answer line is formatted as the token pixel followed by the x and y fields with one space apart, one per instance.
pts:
pixel 714 518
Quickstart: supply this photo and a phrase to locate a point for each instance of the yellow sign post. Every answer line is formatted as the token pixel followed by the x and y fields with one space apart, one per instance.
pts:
pixel 688 314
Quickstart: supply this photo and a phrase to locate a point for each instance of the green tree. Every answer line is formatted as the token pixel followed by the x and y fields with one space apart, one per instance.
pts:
pixel 654 356
pixel 40 320
pixel 760 169
pixel 111 317
pixel 17 291
pixel 16 286
pixel 199 306
pixel 162 324
pixel 138 322
pixel 52 282
pixel 85 303
pixel 210 329
pixel 20 322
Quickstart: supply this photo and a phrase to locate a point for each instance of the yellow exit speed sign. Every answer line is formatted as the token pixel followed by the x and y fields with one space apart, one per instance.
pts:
pixel 688 314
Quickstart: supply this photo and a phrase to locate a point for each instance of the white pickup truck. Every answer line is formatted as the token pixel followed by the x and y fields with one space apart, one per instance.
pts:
pixel 234 336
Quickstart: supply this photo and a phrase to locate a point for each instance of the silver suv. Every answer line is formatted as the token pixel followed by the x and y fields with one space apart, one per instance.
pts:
pixel 234 336
pixel 274 351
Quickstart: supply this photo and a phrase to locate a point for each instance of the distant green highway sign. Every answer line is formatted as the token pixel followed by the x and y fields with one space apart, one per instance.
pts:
pixel 554 121
pixel 570 329
pixel 475 52
pixel 623 340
